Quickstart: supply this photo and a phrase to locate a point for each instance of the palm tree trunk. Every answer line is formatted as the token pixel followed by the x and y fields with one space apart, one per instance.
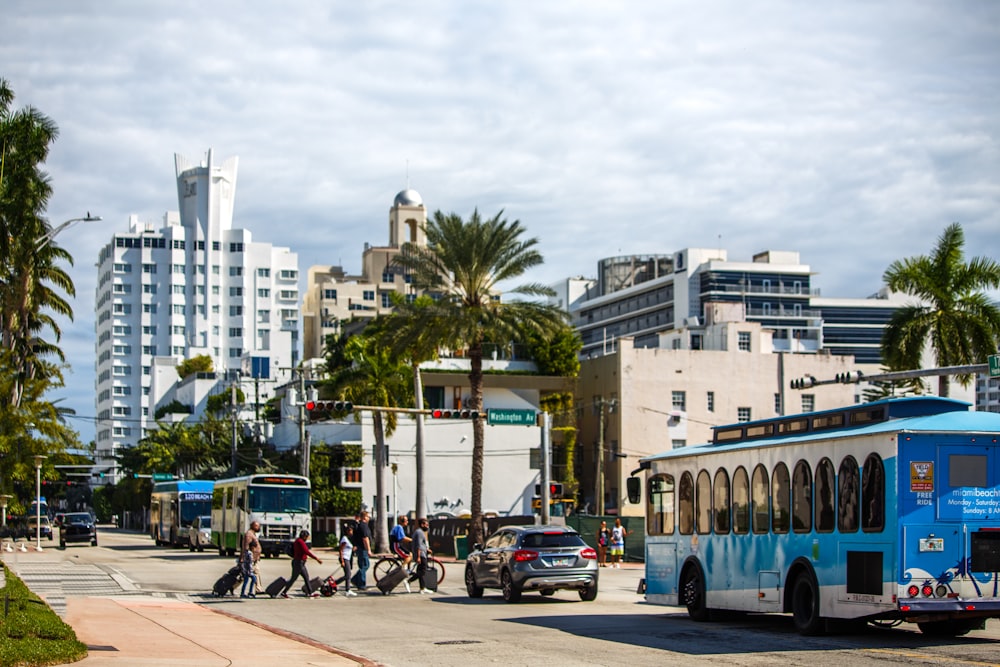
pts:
pixel 381 520
pixel 478 448
pixel 420 504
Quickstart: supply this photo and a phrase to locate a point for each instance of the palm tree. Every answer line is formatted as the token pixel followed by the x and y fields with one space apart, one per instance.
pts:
pixel 953 315
pixel 462 267
pixel 374 377
pixel 27 269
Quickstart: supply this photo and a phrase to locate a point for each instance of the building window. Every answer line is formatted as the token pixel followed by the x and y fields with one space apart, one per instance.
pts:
pixel 264 316
pixel 263 293
pixel 677 444
pixel 149 308
pixel 330 294
pixel 743 341
pixel 235 332
pixel 235 311
pixel 743 414
pixel 264 273
pixel 287 294
pixel 236 270
pixel 387 299
pixel 808 402
pixel 388 277
pixel 235 247
pixel 177 268
pixel 176 289
pixel 178 309
pixel 288 274
pixel 149 330
pixel 235 353
pixel 710 401
pixel 235 291
pixel 368 295
pixel 177 350
pixel 777 403
pixel 123 268
pixel 678 400
pixel 149 268
pixel 177 330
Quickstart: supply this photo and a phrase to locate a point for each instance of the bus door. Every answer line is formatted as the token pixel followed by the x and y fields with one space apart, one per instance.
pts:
pixel 960 546
pixel 661 572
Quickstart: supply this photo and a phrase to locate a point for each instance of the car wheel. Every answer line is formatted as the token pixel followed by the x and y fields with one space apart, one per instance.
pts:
pixel 200 549
pixel 62 544
pixel 589 594
pixel 511 593
pixel 93 542
pixel 471 588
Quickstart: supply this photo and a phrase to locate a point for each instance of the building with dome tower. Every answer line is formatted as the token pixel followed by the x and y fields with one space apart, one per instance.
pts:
pixel 336 302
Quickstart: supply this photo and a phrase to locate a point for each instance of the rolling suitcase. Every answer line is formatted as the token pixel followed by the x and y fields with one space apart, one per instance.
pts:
pixel 314 585
pixel 329 587
pixel 391 580
pixel 276 586
pixel 227 583
pixel 430 578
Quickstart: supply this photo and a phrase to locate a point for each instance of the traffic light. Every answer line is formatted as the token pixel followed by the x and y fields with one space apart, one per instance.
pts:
pixel 850 378
pixel 454 414
pixel 317 407
pixel 804 382
pixel 555 489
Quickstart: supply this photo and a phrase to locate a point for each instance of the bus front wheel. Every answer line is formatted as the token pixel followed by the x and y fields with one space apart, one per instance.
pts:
pixel 805 606
pixel 693 594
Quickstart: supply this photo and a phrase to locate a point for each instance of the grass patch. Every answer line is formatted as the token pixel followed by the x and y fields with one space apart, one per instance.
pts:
pixel 30 632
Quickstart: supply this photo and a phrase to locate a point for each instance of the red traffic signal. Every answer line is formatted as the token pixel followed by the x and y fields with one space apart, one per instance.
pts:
pixel 555 489
pixel 454 414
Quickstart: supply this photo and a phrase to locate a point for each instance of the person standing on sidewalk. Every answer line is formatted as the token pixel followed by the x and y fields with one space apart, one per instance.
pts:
pixel 251 543
pixel 420 550
pixel 618 534
pixel 362 549
pixel 300 554
pixel 346 548
pixel 603 538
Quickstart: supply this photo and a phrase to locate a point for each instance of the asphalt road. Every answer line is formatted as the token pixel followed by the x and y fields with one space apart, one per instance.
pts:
pixel 450 629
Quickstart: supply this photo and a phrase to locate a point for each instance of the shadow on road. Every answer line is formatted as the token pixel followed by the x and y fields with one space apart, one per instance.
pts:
pixel 771 634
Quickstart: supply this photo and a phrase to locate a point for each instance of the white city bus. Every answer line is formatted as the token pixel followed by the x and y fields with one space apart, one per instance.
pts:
pixel 280 503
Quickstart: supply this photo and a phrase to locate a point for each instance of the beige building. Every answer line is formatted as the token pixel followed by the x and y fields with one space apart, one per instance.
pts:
pixel 648 400
pixel 335 302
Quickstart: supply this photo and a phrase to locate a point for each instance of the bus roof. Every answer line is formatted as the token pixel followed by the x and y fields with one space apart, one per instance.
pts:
pixel 924 414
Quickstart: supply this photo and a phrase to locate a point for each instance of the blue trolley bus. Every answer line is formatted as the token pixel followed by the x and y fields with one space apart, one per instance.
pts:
pixel 883 512
pixel 174 505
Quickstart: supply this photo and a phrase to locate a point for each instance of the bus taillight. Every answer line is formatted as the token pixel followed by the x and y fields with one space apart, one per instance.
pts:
pixel 912 591
pixel 927 590
pixel 941 590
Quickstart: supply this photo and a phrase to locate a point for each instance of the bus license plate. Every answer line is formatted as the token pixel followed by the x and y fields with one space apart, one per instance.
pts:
pixel 932 544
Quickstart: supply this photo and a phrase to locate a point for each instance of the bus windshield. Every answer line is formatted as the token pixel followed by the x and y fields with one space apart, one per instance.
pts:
pixel 192 508
pixel 272 499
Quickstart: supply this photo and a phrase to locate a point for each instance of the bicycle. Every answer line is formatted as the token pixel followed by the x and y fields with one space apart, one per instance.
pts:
pixel 387 564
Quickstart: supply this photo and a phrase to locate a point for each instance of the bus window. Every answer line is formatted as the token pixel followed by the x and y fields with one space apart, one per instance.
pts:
pixel 741 501
pixel 759 496
pixel 661 505
pixel 686 505
pixel 873 495
pixel 721 504
pixel 825 516
pixel 703 503
pixel 780 499
pixel 802 498
pixel 847 496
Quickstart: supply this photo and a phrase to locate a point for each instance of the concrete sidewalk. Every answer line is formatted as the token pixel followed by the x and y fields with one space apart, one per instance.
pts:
pixel 147 632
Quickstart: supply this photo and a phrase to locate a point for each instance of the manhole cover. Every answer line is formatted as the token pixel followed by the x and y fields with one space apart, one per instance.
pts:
pixel 460 641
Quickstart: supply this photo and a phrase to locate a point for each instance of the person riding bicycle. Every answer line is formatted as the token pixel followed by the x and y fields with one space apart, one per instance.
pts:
pixel 399 541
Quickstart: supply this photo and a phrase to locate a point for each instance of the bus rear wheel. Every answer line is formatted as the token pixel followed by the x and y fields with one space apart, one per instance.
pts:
pixel 805 606
pixel 693 594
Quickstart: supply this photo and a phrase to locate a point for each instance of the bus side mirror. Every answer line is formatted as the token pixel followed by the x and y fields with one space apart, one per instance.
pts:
pixel 634 486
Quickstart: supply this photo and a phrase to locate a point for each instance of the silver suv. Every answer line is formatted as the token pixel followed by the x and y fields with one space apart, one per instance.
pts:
pixel 533 558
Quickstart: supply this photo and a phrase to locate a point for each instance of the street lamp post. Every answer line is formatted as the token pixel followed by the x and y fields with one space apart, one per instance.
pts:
pixel 38 500
pixel 44 240
pixel 3 502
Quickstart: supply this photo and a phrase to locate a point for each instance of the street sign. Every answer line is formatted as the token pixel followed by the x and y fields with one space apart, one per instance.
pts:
pixel 162 477
pixel 994 360
pixel 496 416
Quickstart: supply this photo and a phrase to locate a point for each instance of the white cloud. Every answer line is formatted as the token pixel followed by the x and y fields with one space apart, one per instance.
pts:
pixel 852 132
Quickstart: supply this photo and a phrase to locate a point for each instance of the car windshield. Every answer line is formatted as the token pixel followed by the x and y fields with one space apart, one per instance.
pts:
pixel 76 518
pixel 551 540
pixel 205 521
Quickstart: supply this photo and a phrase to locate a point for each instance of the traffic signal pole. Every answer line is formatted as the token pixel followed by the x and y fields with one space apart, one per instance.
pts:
pixel 546 468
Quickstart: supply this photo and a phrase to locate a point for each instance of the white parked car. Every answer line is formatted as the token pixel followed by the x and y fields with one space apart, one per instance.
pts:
pixel 200 533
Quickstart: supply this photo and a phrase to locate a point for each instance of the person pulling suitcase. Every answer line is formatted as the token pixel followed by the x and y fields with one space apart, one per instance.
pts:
pixel 300 554
pixel 421 554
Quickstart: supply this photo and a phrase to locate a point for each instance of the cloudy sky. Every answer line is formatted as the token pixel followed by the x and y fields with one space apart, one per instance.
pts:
pixel 851 132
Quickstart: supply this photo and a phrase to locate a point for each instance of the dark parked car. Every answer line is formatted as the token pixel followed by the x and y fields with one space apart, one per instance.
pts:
pixel 532 558
pixel 78 527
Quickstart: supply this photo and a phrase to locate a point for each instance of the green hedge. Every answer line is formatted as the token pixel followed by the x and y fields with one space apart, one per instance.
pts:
pixel 30 632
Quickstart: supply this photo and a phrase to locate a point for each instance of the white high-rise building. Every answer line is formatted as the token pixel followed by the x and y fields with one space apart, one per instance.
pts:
pixel 194 286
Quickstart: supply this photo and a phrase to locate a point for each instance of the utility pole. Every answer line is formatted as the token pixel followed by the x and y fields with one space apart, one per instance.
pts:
pixel 546 468
pixel 234 409
pixel 599 480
